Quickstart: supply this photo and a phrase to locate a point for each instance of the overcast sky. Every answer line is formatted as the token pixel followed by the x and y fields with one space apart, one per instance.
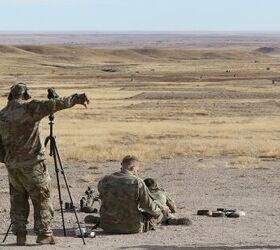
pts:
pixel 139 15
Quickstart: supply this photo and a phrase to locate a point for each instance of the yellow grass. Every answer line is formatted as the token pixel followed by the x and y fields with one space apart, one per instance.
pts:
pixel 110 140
pixel 244 161
pixel 116 123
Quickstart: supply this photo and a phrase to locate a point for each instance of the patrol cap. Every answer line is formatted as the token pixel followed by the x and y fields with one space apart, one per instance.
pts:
pixel 17 90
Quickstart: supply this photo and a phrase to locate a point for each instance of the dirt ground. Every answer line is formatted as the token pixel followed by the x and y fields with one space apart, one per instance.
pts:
pixel 194 183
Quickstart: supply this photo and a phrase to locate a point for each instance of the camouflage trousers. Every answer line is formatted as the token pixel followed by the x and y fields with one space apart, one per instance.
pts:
pixel 30 182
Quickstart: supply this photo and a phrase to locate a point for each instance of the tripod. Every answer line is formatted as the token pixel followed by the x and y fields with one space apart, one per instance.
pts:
pixel 57 162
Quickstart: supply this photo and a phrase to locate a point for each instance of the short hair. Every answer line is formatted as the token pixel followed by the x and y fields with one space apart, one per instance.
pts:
pixel 129 160
pixel 151 183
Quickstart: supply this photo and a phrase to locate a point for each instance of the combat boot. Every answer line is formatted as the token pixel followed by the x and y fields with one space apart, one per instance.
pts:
pixel 46 240
pixel 21 239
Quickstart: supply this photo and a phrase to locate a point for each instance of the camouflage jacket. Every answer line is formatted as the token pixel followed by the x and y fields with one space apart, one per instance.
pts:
pixel 20 130
pixel 161 197
pixel 123 195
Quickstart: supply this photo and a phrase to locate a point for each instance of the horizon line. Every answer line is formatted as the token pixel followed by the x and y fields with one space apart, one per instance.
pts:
pixel 138 31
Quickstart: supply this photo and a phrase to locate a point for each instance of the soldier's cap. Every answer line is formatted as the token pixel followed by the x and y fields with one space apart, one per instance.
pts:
pixel 17 90
pixel 150 183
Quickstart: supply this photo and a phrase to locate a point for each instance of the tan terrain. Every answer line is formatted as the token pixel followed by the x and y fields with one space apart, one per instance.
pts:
pixel 201 111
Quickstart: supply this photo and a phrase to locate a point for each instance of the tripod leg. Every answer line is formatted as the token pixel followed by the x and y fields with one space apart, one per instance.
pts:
pixel 7 232
pixel 53 151
pixel 68 190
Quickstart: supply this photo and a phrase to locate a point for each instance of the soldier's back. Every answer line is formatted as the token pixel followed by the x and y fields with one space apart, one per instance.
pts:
pixel 119 210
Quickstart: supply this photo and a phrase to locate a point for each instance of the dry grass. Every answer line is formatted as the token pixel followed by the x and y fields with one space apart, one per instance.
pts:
pixel 116 123
pixel 244 161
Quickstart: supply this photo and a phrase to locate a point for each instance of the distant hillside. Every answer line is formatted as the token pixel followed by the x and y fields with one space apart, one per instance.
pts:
pixel 5 49
pixel 196 54
pixel 141 54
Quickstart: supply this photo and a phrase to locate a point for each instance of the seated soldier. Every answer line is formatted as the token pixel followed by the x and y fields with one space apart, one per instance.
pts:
pixel 162 199
pixel 123 198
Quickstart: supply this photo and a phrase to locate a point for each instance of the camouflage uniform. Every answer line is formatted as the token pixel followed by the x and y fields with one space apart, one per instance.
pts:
pixel 123 195
pixel 162 199
pixel 24 159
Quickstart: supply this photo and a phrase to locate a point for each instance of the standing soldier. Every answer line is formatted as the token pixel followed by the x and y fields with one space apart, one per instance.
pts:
pixel 23 155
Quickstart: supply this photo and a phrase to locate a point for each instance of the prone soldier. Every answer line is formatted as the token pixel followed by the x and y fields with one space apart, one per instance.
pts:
pixel 163 199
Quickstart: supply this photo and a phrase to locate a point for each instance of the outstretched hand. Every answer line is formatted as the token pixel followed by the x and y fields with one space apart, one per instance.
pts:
pixel 84 100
